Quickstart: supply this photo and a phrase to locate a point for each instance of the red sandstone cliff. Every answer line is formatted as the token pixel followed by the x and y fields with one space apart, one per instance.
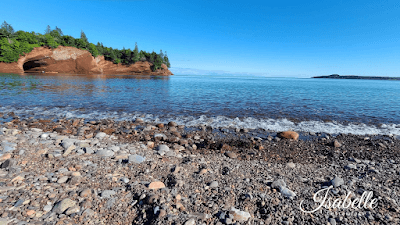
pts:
pixel 73 60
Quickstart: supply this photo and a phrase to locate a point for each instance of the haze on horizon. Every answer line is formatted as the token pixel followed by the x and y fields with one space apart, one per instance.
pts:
pixel 282 38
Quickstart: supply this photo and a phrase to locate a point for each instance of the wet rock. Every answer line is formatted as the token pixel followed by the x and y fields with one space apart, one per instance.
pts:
pixel 289 135
pixel 172 124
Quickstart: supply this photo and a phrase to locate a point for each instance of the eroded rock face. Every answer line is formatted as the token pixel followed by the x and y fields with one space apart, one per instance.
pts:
pixel 72 60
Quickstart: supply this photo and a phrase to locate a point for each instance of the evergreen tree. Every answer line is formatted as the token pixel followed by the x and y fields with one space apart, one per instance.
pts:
pixel 48 30
pixel 6 30
pixel 59 31
pixel 83 37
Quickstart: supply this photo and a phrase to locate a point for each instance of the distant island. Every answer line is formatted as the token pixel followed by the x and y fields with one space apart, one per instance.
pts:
pixel 54 52
pixel 337 76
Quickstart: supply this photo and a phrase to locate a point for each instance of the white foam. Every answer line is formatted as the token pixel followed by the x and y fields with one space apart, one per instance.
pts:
pixel 215 122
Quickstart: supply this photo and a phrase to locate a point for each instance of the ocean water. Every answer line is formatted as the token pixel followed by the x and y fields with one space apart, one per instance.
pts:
pixel 301 104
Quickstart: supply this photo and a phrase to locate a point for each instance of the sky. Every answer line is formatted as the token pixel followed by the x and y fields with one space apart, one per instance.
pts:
pixel 272 38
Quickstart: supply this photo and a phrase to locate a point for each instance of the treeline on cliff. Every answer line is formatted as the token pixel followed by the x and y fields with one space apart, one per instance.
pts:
pixel 15 44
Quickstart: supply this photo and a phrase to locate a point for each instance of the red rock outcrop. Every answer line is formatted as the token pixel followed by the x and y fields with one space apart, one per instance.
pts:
pixel 72 60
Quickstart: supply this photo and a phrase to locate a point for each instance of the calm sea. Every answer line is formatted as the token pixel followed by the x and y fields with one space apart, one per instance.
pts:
pixel 317 105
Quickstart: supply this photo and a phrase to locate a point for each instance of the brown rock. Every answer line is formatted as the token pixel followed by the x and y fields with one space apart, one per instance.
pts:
pixel 5 157
pixel 172 124
pixel 150 144
pixel 160 125
pixel 336 144
pixel 85 193
pixel 231 155
pixel 73 60
pixel 30 212
pixel 226 147
pixel 289 135
pixel 156 185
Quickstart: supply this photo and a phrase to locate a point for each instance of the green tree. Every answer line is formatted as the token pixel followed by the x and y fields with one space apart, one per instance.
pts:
pixel 48 30
pixel 50 41
pixel 93 50
pixel 6 30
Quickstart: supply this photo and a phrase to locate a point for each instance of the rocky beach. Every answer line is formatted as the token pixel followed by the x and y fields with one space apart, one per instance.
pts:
pixel 76 171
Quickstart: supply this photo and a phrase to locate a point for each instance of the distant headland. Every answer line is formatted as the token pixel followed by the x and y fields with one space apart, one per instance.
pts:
pixel 337 76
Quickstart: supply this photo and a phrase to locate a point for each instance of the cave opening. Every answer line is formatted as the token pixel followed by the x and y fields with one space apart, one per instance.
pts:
pixel 32 66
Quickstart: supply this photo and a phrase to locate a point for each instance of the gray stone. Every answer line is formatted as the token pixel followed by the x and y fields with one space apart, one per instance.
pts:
pixel 287 193
pixel 110 203
pixel 88 150
pixel 337 181
pixel 62 180
pixel 107 193
pixel 19 203
pixel 213 184
pixel 63 205
pixel 278 184
pixel 100 135
pixel 162 149
pixel 351 166
pixel 190 222
pixel 47 208
pixel 115 148
pixel 136 159
pixel 105 153
pixel 291 165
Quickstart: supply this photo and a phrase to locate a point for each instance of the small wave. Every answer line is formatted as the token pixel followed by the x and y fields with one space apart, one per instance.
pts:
pixel 215 122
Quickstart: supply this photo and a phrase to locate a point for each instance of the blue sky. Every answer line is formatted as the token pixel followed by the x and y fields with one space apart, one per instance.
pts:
pixel 273 38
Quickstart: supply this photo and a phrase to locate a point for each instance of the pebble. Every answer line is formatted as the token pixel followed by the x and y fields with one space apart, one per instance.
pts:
pixel 213 184
pixel 337 182
pixel 289 135
pixel 231 155
pixel 47 208
pixel 239 216
pixel 85 193
pixel 156 185
pixel 351 166
pixel 162 149
pixel 107 193
pixel 63 205
pixel 105 153
pixel 291 165
pixel 332 221
pixel 136 159
pixel 337 144
pixel 62 180
pixel 190 222
pixel 100 135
